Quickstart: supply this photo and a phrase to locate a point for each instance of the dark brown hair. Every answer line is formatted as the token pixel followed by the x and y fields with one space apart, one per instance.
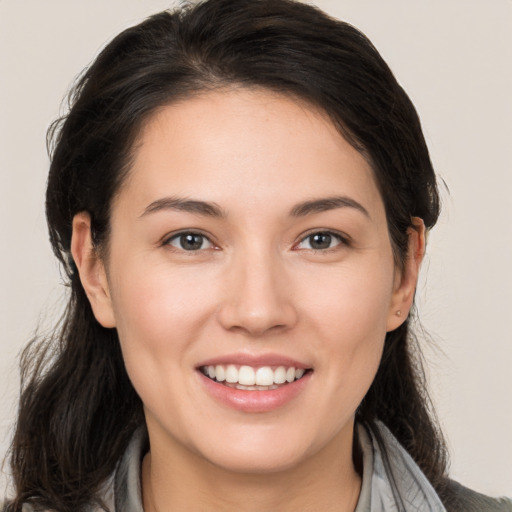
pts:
pixel 78 408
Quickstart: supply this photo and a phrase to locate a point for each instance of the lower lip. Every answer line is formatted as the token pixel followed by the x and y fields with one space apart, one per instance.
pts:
pixel 255 401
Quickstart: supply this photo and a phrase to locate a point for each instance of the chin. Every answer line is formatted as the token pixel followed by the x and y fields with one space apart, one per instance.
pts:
pixel 271 460
pixel 258 452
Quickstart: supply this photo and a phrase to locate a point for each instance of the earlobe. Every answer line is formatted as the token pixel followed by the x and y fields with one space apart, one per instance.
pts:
pixel 91 270
pixel 407 278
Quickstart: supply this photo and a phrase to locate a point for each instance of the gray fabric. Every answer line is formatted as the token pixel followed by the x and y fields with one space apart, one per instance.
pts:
pixel 466 500
pixel 392 482
pixel 128 491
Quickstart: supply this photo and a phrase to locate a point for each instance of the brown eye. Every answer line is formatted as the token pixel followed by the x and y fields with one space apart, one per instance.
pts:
pixel 190 242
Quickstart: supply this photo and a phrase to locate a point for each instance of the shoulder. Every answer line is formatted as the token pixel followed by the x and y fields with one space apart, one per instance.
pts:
pixel 408 482
pixel 462 499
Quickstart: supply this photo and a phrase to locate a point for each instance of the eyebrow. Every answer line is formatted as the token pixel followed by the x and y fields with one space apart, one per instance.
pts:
pixel 209 209
pixel 326 204
pixel 185 205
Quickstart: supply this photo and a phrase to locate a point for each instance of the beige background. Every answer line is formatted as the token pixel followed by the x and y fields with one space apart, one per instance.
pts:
pixel 452 56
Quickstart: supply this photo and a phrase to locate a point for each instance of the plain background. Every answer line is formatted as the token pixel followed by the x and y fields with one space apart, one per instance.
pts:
pixel 453 57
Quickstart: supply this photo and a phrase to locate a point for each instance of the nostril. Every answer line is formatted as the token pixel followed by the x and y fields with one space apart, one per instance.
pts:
pixel 256 322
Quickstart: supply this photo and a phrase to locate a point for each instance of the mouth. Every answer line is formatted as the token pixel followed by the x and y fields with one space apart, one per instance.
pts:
pixel 249 378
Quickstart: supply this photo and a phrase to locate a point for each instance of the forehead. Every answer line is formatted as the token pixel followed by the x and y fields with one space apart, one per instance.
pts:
pixel 262 146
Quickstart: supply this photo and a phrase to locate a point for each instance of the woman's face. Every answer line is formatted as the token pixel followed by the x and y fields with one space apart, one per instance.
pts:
pixel 249 243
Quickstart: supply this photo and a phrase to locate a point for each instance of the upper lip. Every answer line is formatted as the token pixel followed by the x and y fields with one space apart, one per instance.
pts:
pixel 254 360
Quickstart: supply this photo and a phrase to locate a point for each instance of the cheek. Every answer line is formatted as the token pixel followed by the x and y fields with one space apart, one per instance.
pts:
pixel 350 304
pixel 158 301
pixel 347 323
pixel 158 314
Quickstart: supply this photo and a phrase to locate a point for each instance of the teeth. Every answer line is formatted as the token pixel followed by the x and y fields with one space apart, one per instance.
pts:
pixel 220 373
pixel 280 375
pixel 254 388
pixel 249 378
pixel 246 376
pixel 264 376
pixel 231 373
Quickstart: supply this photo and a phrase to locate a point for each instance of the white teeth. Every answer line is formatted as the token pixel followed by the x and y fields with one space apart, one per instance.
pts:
pixel 231 373
pixel 255 388
pixel 220 373
pixel 264 376
pixel 247 377
pixel 280 375
pixel 299 372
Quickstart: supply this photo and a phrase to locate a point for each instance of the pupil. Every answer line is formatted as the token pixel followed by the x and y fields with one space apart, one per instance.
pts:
pixel 191 242
pixel 321 241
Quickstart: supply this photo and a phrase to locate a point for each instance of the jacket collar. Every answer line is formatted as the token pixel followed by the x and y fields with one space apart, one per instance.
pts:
pixel 392 481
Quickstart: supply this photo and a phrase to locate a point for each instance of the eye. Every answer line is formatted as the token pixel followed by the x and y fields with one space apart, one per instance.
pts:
pixel 320 241
pixel 189 241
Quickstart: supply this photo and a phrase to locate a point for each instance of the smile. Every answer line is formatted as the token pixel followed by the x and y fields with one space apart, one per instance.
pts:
pixel 250 378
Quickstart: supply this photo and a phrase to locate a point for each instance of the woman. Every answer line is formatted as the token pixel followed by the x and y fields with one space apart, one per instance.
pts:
pixel 239 196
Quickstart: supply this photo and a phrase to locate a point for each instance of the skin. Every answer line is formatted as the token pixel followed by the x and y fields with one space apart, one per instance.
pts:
pixel 254 287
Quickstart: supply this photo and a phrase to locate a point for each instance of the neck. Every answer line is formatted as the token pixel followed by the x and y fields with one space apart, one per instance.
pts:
pixel 326 481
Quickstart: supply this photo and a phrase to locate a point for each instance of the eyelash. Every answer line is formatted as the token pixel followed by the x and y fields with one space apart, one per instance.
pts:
pixel 341 239
pixel 178 236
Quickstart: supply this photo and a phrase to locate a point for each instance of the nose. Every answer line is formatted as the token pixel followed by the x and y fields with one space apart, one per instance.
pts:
pixel 258 297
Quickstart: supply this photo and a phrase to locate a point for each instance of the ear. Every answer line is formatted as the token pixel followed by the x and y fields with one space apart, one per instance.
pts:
pixel 407 278
pixel 91 270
